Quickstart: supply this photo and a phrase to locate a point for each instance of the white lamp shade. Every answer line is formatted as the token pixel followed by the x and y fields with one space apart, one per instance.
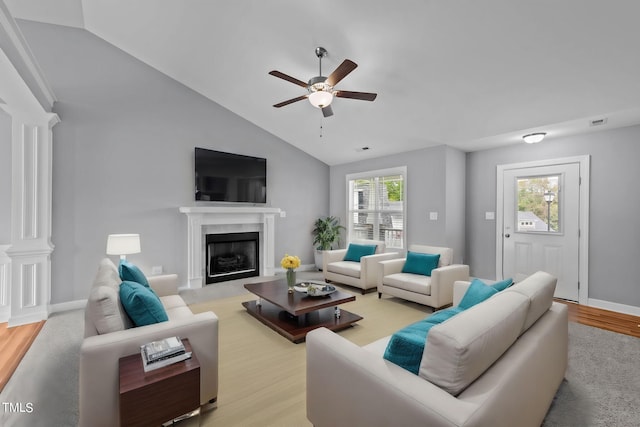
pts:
pixel 320 99
pixel 123 244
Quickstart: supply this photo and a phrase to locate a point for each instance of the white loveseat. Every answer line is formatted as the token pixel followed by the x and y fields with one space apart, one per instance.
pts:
pixel 435 290
pixel 109 336
pixel 498 363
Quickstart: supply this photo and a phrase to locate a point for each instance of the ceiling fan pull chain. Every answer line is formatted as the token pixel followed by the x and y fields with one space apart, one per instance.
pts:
pixel 320 127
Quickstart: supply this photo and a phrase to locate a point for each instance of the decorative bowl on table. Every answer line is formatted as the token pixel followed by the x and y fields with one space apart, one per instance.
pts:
pixel 315 289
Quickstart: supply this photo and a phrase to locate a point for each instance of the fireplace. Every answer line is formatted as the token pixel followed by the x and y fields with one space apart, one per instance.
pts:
pixel 203 220
pixel 231 256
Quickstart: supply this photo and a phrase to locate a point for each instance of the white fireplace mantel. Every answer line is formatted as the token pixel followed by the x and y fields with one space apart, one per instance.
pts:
pixel 204 220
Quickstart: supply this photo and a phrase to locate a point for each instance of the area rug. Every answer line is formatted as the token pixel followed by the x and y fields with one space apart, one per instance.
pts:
pixel 264 371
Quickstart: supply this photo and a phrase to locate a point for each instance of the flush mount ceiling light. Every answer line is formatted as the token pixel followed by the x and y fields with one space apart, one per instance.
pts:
pixel 534 138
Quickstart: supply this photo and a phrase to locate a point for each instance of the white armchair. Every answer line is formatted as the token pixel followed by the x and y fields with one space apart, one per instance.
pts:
pixel 435 291
pixel 363 274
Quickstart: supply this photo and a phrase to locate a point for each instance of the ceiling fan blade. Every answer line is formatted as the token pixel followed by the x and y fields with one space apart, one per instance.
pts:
pixel 290 101
pixel 341 72
pixel 327 111
pixel 293 80
pixel 363 96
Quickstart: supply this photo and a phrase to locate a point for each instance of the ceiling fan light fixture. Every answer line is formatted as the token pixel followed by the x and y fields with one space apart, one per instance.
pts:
pixel 320 98
pixel 534 138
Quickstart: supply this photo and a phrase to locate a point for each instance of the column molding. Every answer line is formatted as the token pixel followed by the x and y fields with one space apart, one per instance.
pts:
pixel 31 195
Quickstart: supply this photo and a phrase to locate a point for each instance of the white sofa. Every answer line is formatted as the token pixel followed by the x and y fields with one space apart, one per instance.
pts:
pixel 363 274
pixel 467 378
pixel 109 336
pixel 435 291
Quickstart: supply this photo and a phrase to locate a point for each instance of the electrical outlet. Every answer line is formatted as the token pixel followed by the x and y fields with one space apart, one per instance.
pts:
pixel 156 270
pixel 489 216
pixel 433 216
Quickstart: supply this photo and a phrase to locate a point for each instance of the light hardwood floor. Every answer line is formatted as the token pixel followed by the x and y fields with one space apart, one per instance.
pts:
pixel 14 343
pixel 604 319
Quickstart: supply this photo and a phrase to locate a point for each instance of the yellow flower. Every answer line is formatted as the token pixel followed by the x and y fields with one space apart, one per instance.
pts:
pixel 290 261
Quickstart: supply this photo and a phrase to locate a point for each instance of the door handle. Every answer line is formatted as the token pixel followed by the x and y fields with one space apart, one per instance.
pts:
pixel 507 235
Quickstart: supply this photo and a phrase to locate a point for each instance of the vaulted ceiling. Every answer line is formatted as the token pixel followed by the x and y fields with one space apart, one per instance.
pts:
pixel 469 74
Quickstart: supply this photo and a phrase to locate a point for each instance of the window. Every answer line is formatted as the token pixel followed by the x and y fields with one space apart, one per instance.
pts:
pixel 376 206
pixel 538 200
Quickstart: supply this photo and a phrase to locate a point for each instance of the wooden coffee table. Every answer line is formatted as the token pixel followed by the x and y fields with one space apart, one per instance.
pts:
pixel 294 315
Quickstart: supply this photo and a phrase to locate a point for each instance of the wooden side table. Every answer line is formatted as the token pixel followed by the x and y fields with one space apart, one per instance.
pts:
pixel 154 397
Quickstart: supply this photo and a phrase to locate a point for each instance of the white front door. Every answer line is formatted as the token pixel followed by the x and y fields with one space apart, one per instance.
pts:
pixel 540 224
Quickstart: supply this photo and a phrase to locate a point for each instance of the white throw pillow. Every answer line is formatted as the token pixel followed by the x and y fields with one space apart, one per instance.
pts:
pixel 461 349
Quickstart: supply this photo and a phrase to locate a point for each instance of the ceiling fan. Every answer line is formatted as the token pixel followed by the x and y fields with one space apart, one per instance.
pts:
pixel 321 89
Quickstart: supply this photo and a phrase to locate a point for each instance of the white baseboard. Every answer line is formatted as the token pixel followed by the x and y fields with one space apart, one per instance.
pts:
pixel 614 306
pixel 67 306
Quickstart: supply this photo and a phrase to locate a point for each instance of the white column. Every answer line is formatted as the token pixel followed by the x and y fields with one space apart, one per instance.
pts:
pixel 31 247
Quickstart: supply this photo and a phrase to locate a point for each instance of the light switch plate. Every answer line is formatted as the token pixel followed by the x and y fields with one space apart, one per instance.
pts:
pixel 489 216
pixel 433 216
pixel 156 270
pixel 283 214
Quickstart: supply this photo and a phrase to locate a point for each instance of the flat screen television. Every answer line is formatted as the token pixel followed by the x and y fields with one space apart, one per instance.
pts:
pixel 228 177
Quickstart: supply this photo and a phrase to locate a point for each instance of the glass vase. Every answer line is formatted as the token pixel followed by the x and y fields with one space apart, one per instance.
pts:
pixel 291 279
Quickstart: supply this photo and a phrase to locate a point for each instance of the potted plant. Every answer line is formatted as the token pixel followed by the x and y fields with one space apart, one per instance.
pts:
pixel 326 232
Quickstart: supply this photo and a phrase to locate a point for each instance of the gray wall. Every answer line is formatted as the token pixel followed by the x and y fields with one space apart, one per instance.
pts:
pixel 455 200
pixel 123 160
pixel 5 178
pixel 614 245
pixel 431 174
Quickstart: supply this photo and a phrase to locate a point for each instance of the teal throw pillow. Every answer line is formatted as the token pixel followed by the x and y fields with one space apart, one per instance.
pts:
pixel 476 293
pixel 406 346
pixel 419 263
pixel 131 273
pixel 502 284
pixel 356 251
pixel 141 304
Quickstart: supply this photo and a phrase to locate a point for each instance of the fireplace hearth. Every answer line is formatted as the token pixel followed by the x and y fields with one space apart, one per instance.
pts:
pixel 231 256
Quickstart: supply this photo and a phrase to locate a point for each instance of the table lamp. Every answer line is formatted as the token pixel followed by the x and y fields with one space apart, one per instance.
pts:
pixel 123 244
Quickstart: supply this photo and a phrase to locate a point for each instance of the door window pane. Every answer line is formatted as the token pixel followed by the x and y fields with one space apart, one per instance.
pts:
pixel 539 198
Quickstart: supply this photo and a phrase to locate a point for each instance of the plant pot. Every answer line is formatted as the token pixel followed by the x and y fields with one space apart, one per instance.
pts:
pixel 318 255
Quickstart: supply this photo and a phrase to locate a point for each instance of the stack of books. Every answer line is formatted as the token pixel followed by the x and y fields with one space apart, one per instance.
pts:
pixel 161 353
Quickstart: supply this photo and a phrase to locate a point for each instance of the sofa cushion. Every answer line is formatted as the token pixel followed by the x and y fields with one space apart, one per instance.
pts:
pixel 107 275
pixel 476 293
pixel 539 288
pixel 105 311
pixel 142 304
pixel 346 268
pixel 132 273
pixel 103 307
pixel 356 251
pixel 460 350
pixel 410 282
pixel 406 346
pixel 172 301
pixel 177 313
pixel 419 263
